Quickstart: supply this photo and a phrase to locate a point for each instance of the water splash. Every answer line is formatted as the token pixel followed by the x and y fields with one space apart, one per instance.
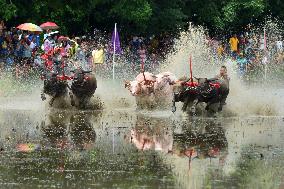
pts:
pixel 243 98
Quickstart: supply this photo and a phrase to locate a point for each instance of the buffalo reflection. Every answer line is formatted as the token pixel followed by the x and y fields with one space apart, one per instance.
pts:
pixel 152 133
pixel 201 139
pixel 82 132
pixel 65 130
pixel 54 129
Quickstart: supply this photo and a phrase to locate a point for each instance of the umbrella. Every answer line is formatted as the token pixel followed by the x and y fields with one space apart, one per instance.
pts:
pixel 62 38
pixel 49 26
pixel 29 27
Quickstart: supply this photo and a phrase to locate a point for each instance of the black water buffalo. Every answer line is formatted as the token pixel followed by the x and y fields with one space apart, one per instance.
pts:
pixel 83 88
pixel 54 87
pixel 210 91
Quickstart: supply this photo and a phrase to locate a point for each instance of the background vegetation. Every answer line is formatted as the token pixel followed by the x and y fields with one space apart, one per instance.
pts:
pixel 145 17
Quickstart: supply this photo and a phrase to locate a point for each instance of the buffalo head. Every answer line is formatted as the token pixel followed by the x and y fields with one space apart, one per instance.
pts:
pixel 126 84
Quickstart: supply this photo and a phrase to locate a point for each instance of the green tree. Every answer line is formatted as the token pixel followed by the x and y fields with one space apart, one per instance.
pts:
pixel 224 15
pixel 275 8
pixel 167 16
pixel 144 17
pixel 8 10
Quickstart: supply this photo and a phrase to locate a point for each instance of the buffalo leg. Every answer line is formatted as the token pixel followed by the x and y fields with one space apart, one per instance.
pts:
pixel 212 101
pixel 72 99
pixel 221 104
pixel 52 100
pixel 208 105
pixel 174 104
pixel 185 104
pixel 87 102
pixel 42 95
pixel 174 108
pixel 193 107
pixel 82 104
pixel 223 98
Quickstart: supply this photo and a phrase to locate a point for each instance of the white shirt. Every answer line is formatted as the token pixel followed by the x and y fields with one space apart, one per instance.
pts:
pixel 279 45
pixel 45 36
pixel 32 45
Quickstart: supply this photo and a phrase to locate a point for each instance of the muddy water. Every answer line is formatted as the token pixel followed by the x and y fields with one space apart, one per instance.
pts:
pixel 124 148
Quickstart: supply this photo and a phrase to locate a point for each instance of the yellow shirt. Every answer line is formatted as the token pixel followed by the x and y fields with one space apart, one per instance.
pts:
pixel 234 43
pixel 4 45
pixel 98 56
pixel 220 51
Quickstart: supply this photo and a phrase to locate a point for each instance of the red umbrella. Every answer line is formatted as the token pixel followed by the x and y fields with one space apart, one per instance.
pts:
pixel 62 38
pixel 49 26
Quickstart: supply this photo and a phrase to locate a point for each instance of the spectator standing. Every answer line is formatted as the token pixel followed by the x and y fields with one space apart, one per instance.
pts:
pixel 2 25
pixel 279 46
pixel 234 42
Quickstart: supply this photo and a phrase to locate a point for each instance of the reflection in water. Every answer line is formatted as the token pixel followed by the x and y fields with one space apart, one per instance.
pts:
pixel 123 149
pixel 199 144
pixel 198 141
pixel 152 133
pixel 71 130
pixel 209 141
pixel 75 153
pixel 55 129
pixel 82 132
pixel 201 138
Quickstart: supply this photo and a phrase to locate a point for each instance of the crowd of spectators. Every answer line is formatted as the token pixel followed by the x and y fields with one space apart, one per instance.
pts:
pixel 21 51
pixel 250 51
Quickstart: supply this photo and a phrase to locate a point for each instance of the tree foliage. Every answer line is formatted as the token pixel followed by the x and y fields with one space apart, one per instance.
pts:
pixel 141 16
pixel 7 10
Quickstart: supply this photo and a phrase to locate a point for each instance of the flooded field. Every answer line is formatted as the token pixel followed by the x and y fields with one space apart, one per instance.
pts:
pixel 125 148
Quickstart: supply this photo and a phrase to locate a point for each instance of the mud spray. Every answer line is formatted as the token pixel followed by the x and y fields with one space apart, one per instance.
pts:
pixel 243 100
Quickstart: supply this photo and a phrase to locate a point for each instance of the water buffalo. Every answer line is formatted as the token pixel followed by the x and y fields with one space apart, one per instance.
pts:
pixel 83 88
pixel 54 87
pixel 152 90
pixel 210 91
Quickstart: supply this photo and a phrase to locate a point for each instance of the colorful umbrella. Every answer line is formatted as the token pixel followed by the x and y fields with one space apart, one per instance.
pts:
pixel 49 26
pixel 29 27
